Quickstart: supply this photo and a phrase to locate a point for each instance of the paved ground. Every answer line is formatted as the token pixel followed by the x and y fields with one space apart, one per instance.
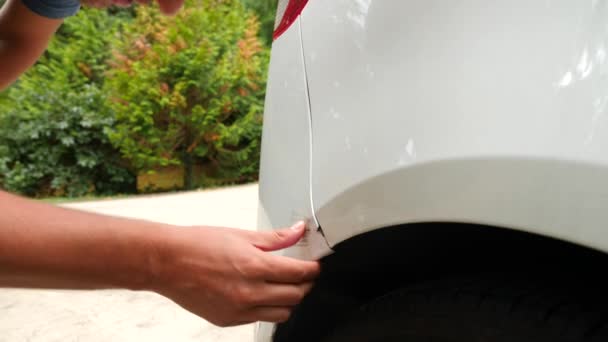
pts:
pixel 100 316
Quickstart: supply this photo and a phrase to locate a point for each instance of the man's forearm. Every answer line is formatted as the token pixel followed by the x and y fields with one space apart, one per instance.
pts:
pixel 45 246
pixel 24 36
pixel 221 274
pixel 14 61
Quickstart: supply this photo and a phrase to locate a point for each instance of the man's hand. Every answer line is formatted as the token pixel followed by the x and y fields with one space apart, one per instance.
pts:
pixel 170 7
pixel 226 276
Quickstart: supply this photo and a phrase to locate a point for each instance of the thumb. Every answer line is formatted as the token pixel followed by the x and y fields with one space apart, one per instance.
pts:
pixel 170 7
pixel 279 239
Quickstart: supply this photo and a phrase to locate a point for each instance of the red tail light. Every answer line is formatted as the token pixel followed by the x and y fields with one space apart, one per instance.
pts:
pixel 287 12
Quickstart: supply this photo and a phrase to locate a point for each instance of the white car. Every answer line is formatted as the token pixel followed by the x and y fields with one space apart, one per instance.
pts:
pixel 451 158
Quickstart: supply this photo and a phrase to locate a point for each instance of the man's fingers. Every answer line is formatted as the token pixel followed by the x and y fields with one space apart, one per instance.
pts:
pixel 269 314
pixel 123 3
pixel 278 239
pixel 282 294
pixel 170 7
pixel 286 270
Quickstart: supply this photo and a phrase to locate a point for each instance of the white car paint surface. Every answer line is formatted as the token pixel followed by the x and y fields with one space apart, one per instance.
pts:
pixel 383 113
pixel 285 187
pixel 285 164
pixel 463 111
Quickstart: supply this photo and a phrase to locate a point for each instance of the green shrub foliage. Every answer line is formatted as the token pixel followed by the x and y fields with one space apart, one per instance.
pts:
pixel 266 13
pixel 188 91
pixel 127 91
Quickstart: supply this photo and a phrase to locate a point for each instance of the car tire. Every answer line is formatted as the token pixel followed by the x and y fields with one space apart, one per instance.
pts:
pixel 482 308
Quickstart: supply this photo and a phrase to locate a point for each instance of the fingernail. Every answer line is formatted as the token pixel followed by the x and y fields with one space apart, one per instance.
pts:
pixel 299 225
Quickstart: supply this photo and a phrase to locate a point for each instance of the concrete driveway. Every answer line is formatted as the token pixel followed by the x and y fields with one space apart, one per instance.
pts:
pixel 92 316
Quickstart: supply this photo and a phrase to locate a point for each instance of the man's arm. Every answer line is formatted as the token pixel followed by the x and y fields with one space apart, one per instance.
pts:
pixel 221 274
pixel 24 35
pixel 44 246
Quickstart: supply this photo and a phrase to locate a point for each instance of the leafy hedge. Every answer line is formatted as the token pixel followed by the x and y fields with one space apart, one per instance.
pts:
pixel 189 91
pixel 115 96
pixel 265 10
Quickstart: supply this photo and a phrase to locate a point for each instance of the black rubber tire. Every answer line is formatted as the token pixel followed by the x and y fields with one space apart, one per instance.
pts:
pixel 482 308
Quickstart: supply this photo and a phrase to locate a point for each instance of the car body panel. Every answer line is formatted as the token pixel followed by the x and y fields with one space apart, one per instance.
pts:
pixel 525 194
pixel 284 188
pixel 385 113
pixel 284 195
pixel 469 111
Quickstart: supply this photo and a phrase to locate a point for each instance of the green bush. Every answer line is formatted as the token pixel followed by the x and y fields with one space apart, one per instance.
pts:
pixel 53 120
pixel 188 91
pixel 266 12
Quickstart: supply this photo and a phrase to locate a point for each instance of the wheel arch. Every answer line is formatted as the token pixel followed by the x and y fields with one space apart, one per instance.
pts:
pixel 377 262
pixel 561 199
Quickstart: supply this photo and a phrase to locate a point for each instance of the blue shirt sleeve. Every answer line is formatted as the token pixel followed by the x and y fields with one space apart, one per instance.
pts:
pixel 53 9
